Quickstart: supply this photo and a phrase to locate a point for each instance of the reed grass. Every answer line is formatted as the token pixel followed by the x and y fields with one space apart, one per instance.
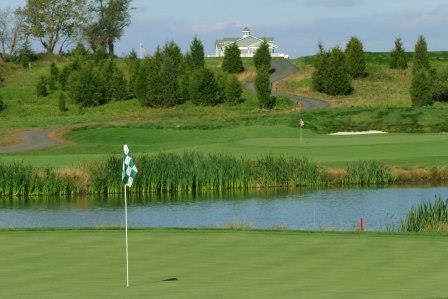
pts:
pixel 427 217
pixel 191 173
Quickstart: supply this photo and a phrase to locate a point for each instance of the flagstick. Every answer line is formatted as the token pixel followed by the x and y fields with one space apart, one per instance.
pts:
pixel 301 135
pixel 126 224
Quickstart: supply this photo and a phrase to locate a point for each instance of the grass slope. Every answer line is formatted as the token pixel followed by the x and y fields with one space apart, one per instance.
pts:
pixel 222 264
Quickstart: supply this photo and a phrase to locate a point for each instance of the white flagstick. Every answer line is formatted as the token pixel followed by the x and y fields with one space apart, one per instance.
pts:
pixel 126 224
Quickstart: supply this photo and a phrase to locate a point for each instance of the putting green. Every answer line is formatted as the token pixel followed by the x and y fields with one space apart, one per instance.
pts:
pixel 251 141
pixel 222 264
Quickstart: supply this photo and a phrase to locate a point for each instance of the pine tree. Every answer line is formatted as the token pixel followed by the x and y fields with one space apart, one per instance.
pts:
pixel 172 52
pixel 63 76
pixel 338 80
pixel 197 53
pixel 421 58
pixel 222 79
pixel 204 88
pixel 232 62
pixel 398 59
pixel 86 86
pixel 262 57
pixel 320 67
pixel 263 89
pixel 356 62
pixel 171 93
pixel 80 50
pixel 233 90
pixel 41 87
pixel 421 88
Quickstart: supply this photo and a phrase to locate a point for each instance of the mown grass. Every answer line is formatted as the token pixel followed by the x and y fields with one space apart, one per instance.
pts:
pixel 427 217
pixel 222 264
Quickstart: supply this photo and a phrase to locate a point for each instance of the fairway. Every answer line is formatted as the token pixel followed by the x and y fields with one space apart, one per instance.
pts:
pixel 222 264
pixel 251 141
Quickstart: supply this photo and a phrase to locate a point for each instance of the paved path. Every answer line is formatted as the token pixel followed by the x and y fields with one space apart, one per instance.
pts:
pixel 30 140
pixel 284 68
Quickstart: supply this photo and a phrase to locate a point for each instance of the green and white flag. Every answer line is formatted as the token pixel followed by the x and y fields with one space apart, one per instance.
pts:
pixel 129 168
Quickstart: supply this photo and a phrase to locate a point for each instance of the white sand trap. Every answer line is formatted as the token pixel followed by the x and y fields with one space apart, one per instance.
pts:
pixel 358 133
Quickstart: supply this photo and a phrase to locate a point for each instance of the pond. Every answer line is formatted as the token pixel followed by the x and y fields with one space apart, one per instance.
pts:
pixel 330 209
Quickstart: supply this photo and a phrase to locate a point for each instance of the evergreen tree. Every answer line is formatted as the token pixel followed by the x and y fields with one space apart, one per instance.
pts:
pixel 171 93
pixel 26 55
pixel 133 65
pixel 80 50
pixel 2 104
pixel 61 102
pixel 197 53
pixel 232 62
pixel 204 88
pixel 41 87
pixel 86 86
pixel 421 58
pixel 398 59
pixel 441 86
pixel 421 89
pixel 263 88
pixel 63 76
pixel 338 80
pixel 233 90
pixel 356 62
pixel 172 52
pixel 320 67
pixel 54 76
pixel 222 79
pixel 262 57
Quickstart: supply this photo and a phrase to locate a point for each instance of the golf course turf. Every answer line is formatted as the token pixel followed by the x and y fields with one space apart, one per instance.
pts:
pixel 221 264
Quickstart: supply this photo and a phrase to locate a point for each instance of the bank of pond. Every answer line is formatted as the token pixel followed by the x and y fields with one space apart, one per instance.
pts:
pixel 393 208
pixel 193 172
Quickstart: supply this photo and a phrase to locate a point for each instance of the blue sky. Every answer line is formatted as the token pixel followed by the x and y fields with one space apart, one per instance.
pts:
pixel 297 25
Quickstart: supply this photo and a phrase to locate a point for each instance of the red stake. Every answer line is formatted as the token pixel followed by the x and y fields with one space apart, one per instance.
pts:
pixel 361 225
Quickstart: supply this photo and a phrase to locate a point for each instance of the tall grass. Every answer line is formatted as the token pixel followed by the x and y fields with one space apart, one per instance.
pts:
pixel 427 217
pixel 190 172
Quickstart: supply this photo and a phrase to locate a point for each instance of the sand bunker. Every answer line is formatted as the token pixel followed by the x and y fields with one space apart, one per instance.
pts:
pixel 357 133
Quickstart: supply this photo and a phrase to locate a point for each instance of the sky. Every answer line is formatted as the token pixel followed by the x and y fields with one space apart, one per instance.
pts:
pixel 296 25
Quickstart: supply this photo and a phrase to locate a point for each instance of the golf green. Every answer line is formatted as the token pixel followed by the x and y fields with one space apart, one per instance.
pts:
pixel 221 264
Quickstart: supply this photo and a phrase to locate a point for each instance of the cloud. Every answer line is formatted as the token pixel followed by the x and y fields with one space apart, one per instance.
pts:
pixel 332 3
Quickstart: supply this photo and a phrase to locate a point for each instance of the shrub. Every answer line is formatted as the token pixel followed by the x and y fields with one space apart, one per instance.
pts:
pixel 2 104
pixel 263 89
pixel 262 57
pixel 232 62
pixel 398 59
pixel 222 79
pixel 41 87
pixel 54 76
pixel 356 62
pixel 204 88
pixel 26 55
pixel 63 77
pixel 86 86
pixel 233 90
pixel 61 102
pixel 421 89
pixel 80 50
pixel 441 86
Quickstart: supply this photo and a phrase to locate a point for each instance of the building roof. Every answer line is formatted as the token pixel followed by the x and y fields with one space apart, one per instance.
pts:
pixel 242 42
pixel 246 29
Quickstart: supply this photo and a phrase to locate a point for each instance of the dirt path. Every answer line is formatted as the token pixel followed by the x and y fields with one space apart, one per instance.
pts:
pixel 32 139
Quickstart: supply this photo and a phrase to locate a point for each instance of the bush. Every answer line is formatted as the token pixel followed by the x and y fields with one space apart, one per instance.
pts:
pixel 61 102
pixel 262 57
pixel 2 104
pixel 86 86
pixel 356 62
pixel 41 87
pixel 398 59
pixel 54 76
pixel 26 55
pixel 63 76
pixel 204 88
pixel 441 86
pixel 232 62
pixel 233 90
pixel 263 89
pixel 80 50
pixel 421 89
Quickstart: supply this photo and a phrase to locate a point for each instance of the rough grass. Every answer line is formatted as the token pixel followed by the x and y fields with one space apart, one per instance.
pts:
pixel 382 88
pixel 222 264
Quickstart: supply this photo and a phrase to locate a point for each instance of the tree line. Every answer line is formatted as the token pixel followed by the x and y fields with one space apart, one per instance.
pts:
pixel 335 69
pixel 58 24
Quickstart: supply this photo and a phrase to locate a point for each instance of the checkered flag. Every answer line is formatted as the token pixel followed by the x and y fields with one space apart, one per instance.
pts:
pixel 129 168
pixel 301 123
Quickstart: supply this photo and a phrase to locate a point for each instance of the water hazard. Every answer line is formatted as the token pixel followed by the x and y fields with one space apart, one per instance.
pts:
pixel 332 209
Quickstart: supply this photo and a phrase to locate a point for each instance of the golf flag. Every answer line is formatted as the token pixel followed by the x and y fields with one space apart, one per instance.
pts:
pixel 302 123
pixel 129 168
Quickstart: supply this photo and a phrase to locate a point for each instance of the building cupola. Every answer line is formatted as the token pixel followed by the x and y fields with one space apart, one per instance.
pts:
pixel 246 32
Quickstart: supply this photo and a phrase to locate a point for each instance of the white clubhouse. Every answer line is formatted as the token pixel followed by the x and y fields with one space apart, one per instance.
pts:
pixel 248 45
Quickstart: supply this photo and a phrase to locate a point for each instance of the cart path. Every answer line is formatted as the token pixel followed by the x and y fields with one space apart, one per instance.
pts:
pixel 284 68
pixel 31 139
